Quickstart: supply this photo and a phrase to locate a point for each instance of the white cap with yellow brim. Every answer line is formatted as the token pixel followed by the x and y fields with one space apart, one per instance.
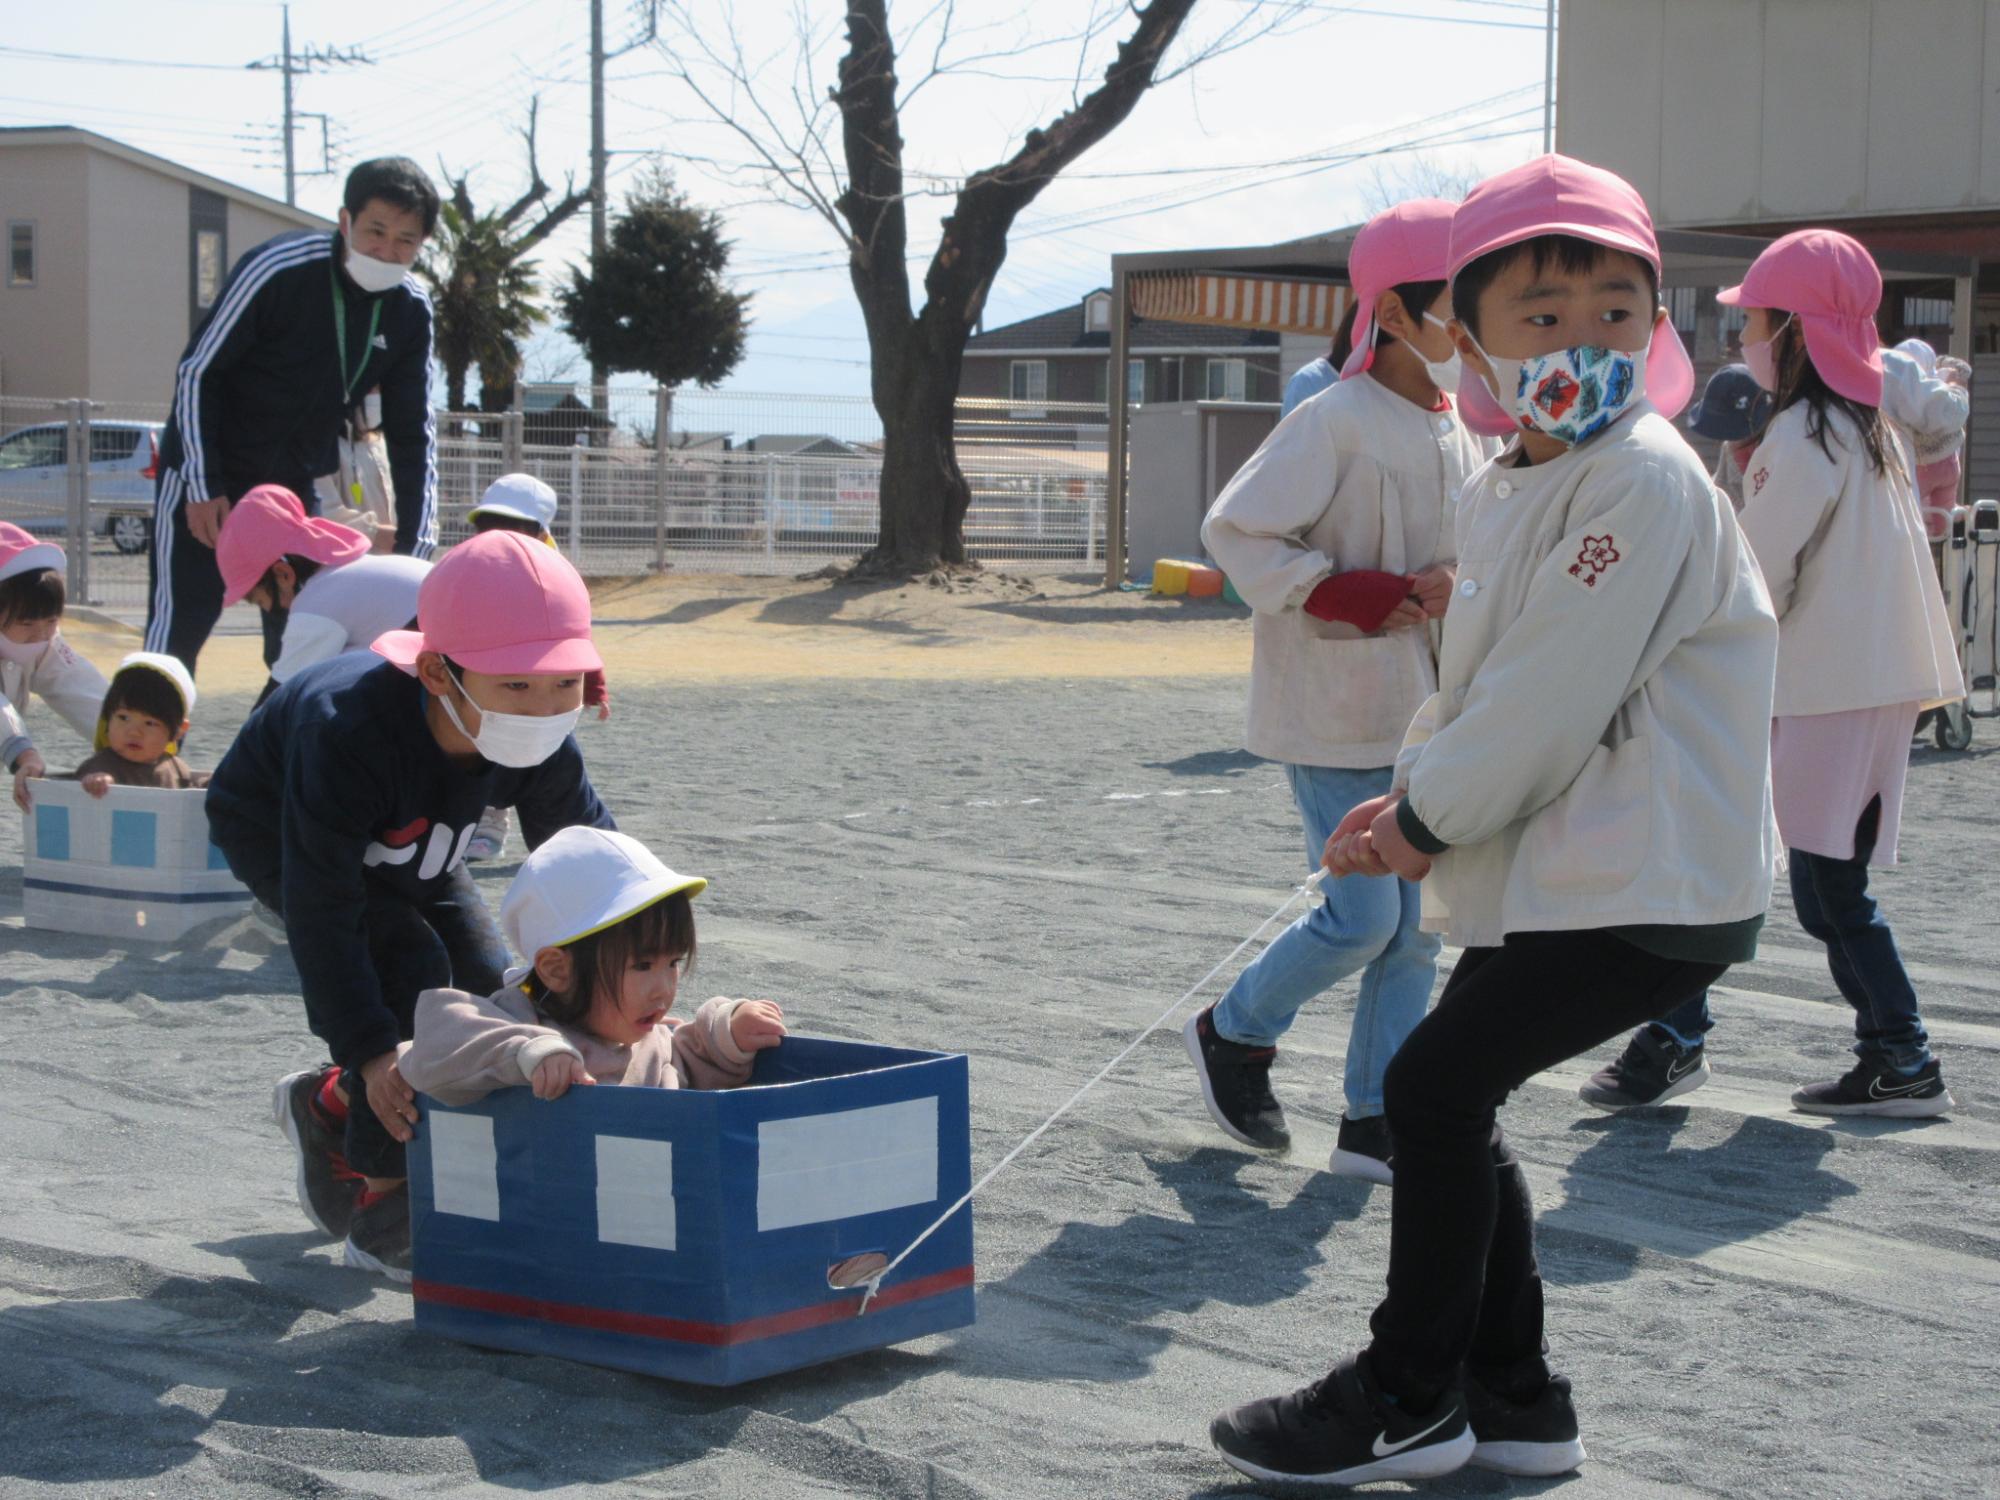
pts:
pixel 581 881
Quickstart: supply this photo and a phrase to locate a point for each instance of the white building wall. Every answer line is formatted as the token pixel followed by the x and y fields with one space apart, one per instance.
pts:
pixel 1736 111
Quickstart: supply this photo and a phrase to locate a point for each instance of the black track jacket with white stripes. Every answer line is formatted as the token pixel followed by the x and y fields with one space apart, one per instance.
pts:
pixel 258 398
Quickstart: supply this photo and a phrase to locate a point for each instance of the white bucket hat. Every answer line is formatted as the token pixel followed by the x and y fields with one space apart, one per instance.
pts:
pixel 521 496
pixel 581 881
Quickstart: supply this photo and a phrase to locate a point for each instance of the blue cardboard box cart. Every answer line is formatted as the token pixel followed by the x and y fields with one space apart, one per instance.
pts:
pixel 690 1233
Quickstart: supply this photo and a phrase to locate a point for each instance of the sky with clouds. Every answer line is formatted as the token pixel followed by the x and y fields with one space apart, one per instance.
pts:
pixel 1285 135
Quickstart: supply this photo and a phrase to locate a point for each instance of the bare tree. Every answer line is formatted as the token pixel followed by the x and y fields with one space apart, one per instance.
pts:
pixel 1422 176
pixel 485 293
pixel 863 190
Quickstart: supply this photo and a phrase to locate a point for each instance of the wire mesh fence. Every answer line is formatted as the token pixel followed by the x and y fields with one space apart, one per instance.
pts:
pixel 703 481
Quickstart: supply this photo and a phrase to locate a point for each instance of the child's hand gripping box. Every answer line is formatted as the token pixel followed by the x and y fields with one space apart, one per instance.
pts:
pixel 690 1233
pixel 134 863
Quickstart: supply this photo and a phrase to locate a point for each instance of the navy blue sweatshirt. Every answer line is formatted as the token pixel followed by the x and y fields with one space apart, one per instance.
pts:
pixel 336 785
pixel 258 397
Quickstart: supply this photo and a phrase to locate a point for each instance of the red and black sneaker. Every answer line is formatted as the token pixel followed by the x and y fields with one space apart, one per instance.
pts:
pixel 1236 1085
pixel 327 1186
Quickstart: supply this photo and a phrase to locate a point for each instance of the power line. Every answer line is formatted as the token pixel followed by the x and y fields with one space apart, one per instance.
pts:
pixel 118 62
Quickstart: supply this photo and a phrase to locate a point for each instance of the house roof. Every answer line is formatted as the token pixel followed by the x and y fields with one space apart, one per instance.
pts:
pixel 75 135
pixel 1064 329
pixel 796 442
pixel 549 398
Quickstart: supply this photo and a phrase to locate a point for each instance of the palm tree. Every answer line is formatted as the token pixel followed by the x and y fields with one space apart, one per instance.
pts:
pixel 485 298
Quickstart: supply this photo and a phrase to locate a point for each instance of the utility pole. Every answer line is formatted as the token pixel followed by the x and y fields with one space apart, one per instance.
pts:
pixel 1549 84
pixel 294 65
pixel 600 397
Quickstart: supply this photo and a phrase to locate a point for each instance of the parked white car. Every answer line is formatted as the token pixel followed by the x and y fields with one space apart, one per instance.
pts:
pixel 124 457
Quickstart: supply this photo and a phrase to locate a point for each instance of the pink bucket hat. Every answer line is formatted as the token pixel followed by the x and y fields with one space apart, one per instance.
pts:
pixel 500 602
pixel 1561 195
pixel 1832 285
pixel 21 552
pixel 1406 243
pixel 270 523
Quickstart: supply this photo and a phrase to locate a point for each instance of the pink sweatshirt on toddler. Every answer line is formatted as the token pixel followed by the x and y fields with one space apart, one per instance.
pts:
pixel 467 1046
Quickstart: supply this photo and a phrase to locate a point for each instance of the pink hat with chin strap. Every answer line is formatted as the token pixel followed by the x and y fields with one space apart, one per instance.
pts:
pixel 21 551
pixel 500 603
pixel 1831 284
pixel 269 523
pixel 1406 243
pixel 1561 195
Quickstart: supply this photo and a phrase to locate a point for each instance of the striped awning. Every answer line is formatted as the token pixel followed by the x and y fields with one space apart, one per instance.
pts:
pixel 1287 304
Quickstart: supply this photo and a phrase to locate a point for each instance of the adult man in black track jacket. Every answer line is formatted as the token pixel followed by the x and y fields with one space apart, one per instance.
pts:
pixel 265 389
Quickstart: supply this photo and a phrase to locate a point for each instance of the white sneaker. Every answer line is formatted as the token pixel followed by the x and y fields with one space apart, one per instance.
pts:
pixel 489 839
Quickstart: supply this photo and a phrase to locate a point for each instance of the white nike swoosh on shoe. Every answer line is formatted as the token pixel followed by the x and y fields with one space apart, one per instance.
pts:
pixel 1383 1449
pixel 1676 1077
pixel 1876 1091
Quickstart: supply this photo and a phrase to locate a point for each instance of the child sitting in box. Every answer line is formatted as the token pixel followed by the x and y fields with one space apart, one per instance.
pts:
pixel 607 930
pixel 145 717
pixel 34 658
pixel 524 504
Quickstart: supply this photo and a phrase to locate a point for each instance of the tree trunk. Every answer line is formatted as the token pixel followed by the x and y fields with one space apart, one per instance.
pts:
pixel 454 387
pixel 924 494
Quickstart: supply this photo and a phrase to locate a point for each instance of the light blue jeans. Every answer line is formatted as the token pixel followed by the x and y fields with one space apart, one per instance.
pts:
pixel 1368 923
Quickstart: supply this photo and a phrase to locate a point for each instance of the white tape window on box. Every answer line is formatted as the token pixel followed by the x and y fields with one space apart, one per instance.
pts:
pixel 816 1168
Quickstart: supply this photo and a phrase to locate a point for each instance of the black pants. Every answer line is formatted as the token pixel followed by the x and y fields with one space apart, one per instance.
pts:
pixel 1464 1287
pixel 448 940
pixel 184 586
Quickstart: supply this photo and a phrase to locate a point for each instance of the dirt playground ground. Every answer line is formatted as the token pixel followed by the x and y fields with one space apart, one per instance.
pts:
pixel 1010 819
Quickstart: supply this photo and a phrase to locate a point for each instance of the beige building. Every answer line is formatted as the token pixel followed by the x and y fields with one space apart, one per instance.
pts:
pixel 113 257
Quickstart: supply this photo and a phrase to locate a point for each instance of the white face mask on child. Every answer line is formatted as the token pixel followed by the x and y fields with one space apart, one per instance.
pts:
pixel 514 740
pixel 1443 373
pixel 21 653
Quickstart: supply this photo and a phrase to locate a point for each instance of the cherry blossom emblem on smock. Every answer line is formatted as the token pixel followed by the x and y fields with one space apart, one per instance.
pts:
pixel 1593 560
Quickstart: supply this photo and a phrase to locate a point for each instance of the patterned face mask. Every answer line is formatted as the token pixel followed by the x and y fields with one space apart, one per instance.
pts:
pixel 1569 394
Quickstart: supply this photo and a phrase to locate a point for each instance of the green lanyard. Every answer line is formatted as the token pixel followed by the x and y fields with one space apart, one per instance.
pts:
pixel 347 383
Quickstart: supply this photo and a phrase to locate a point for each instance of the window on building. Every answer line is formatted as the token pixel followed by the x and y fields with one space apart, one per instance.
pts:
pixel 20 252
pixel 1135 382
pixel 207 267
pixel 1028 380
pixel 1680 308
pixel 1927 312
pixel 1226 380
pixel 1097 311
pixel 1730 319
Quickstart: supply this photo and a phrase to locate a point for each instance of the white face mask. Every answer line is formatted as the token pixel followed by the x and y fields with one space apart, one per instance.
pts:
pixel 515 740
pixel 370 274
pixel 1444 374
pixel 21 653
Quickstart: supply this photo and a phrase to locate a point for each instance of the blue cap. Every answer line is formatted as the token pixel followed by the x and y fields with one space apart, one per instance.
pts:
pixel 1732 406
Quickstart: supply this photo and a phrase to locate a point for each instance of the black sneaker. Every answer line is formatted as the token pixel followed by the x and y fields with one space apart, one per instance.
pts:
pixel 1536 1438
pixel 1362 1150
pixel 379 1238
pixel 1652 1069
pixel 1342 1430
pixel 1236 1084
pixel 1874 1089
pixel 326 1185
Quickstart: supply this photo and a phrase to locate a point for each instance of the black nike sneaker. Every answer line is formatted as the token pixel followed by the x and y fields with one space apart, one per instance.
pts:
pixel 378 1239
pixel 1537 1437
pixel 1362 1150
pixel 1652 1069
pixel 1874 1089
pixel 1236 1085
pixel 1343 1430
pixel 326 1185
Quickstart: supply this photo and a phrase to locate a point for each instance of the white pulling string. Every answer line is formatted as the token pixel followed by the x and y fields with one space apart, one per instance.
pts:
pixel 874 1283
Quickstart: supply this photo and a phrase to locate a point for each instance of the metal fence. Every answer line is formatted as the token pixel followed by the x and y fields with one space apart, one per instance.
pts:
pixel 702 481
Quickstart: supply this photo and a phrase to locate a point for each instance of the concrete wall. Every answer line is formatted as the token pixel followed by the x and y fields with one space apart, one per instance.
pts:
pixel 138 284
pixel 1739 111
pixel 42 347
